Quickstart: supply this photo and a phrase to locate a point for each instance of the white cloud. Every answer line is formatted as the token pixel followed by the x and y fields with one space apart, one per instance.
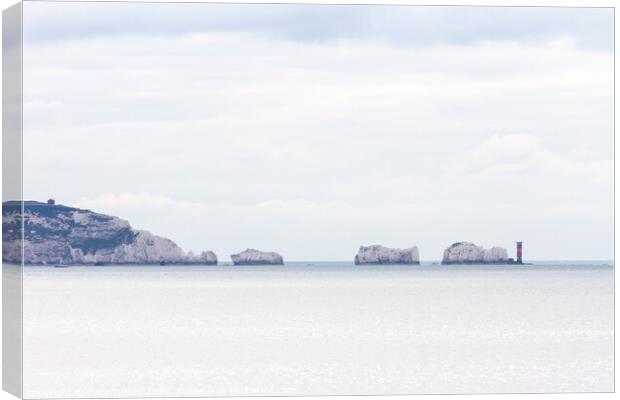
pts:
pixel 109 202
pixel 526 154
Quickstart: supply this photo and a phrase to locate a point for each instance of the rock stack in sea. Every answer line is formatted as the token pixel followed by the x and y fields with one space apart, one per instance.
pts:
pixel 257 257
pixel 469 253
pixel 377 254
pixel 56 234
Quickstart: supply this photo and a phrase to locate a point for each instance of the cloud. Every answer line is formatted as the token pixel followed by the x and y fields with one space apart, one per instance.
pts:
pixel 523 154
pixel 403 25
pixel 502 150
pixel 110 201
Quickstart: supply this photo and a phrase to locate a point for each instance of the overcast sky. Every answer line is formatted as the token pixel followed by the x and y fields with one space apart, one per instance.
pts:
pixel 312 130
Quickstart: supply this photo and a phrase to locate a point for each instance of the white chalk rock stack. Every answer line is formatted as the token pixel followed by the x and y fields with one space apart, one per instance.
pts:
pixel 469 253
pixel 146 248
pixel 257 257
pixel 377 254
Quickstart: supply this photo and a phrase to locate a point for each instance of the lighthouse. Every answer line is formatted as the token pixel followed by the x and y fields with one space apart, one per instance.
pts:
pixel 519 252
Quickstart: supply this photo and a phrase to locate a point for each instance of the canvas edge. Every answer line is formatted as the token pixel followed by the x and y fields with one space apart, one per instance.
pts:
pixel 12 170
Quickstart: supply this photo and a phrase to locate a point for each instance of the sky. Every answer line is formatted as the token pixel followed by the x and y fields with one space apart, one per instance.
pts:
pixel 311 130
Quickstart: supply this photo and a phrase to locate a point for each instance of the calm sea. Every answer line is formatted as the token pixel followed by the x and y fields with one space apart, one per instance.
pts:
pixel 311 328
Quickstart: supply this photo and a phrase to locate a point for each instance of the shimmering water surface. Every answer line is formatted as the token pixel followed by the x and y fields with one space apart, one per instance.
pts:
pixel 314 328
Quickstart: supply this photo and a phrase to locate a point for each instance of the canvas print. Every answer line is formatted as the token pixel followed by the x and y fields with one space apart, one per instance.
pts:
pixel 295 199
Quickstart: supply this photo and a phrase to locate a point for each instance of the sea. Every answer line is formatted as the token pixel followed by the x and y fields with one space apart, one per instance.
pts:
pixel 317 328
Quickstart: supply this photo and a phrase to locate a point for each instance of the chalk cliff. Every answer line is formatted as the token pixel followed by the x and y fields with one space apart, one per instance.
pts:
pixel 377 254
pixel 257 257
pixel 56 234
pixel 469 253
